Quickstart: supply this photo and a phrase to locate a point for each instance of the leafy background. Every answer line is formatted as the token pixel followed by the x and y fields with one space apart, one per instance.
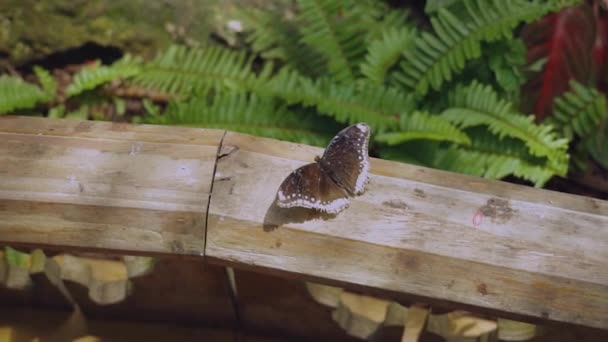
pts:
pixel 493 88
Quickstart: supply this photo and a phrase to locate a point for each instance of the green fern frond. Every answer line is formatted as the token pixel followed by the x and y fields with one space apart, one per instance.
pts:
pixel 274 37
pixel 384 52
pixel 285 84
pixel 432 6
pixel 378 17
pixel 491 165
pixel 495 158
pixel 417 152
pixel 92 76
pixel 184 72
pixel 455 40
pixel 579 110
pixel 352 102
pixel 332 27
pixel 47 81
pixel 597 144
pixel 18 94
pixel 245 113
pixel 267 32
pixel 355 102
pixel 421 125
pixel 477 104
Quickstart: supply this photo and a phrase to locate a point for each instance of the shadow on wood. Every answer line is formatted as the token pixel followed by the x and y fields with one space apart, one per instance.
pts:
pixel 143 189
pixel 277 216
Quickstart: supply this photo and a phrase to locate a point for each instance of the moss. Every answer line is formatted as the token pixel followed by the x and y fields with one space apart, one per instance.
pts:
pixel 34 28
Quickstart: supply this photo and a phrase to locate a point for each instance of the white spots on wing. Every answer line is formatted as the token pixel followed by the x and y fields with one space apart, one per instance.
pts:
pixel 330 207
pixel 351 144
pixel 363 177
pixel 362 127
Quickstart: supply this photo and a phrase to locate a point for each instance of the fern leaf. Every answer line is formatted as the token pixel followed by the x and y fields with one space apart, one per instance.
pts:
pixel 491 165
pixel 18 94
pixel 267 33
pixel 353 102
pixel 245 113
pixel 378 17
pixel 349 103
pixel 184 72
pixel 420 125
pixel 579 110
pixel 597 144
pixel 417 152
pixel 274 37
pixel 477 104
pixel 332 28
pixel 491 157
pixel 383 53
pixel 47 81
pixel 436 57
pixel 92 76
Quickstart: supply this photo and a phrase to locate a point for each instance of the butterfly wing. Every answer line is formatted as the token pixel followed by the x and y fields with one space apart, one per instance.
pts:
pixel 309 187
pixel 346 158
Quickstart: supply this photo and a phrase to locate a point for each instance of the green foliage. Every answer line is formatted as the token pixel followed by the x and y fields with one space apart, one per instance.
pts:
pixel 92 76
pixel 507 59
pixel 276 38
pixel 377 17
pixel 356 102
pixel 494 164
pixel 433 6
pixel 339 62
pixel 420 125
pixel 333 29
pixel 185 72
pixel 477 104
pixel 385 51
pixel 579 111
pixel 16 258
pixel 597 146
pixel 18 94
pixel 47 81
pixel 336 59
pixel 581 115
pixel 345 102
pixel 245 113
pixel 438 56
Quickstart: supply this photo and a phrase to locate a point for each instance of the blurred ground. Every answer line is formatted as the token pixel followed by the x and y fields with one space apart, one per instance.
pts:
pixel 33 29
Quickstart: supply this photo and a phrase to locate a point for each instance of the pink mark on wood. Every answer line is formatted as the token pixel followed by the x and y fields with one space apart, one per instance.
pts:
pixel 477 218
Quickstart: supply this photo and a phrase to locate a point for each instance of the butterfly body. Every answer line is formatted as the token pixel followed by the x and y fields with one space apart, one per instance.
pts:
pixel 326 184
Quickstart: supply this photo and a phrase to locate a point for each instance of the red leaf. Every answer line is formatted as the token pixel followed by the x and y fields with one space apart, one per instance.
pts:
pixel 600 50
pixel 566 39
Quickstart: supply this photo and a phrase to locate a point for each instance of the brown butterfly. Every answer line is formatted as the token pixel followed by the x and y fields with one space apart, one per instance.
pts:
pixel 326 184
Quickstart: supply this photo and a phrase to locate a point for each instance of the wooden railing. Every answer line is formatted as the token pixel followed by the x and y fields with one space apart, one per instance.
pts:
pixel 159 190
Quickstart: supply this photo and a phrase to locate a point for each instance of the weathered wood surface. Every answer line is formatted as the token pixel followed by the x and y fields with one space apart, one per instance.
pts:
pixel 419 231
pixel 105 186
pixel 145 189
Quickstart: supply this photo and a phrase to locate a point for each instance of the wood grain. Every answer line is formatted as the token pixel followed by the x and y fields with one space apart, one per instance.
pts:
pixel 145 189
pixel 420 231
pixel 106 186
